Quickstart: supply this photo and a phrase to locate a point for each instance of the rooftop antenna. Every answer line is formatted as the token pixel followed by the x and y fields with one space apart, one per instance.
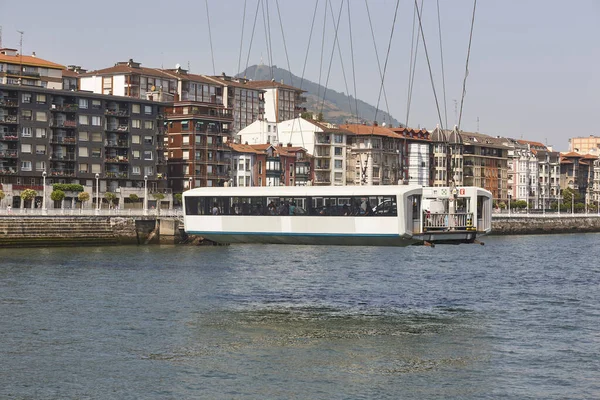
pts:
pixel 21 56
pixel 455 112
pixel 189 69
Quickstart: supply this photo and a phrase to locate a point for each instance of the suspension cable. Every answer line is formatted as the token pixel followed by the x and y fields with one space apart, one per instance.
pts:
pixel 252 36
pixel 242 39
pixel 414 51
pixel 387 106
pixel 429 66
pixel 467 64
pixel 212 54
pixel 353 70
pixel 337 42
pixel 386 61
pixel 269 37
pixel 322 50
pixel 284 44
pixel 332 53
pixel 442 62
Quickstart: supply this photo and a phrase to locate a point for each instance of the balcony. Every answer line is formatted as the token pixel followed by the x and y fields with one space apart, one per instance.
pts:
pixel 70 108
pixel 9 119
pixel 69 140
pixel 116 143
pixel 63 157
pixel 322 155
pixel 116 160
pixel 9 137
pixel 117 113
pixel 8 153
pixel 16 72
pixel 62 172
pixel 116 175
pixel 9 102
pixel 323 167
pixel 8 171
pixel 70 124
pixel 117 128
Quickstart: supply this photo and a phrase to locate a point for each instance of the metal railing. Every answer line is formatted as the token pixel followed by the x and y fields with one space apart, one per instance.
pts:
pixel 172 212
pixel 447 221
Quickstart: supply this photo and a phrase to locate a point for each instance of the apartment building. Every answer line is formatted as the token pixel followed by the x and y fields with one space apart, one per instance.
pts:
pixel 20 69
pixel 415 152
pixel 447 157
pixel 375 154
pixel 282 102
pixel 108 142
pixel 486 163
pixel 585 145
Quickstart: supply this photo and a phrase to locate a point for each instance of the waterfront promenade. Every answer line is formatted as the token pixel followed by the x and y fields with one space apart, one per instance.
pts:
pixel 73 212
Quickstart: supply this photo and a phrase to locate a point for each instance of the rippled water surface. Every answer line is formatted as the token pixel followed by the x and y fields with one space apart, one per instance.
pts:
pixel 517 318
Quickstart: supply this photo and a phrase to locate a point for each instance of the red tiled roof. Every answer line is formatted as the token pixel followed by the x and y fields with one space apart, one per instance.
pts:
pixel 571 154
pixel 271 84
pixel 69 73
pixel 30 60
pixel 538 144
pixel 243 148
pixel 119 69
pixel 364 130
pixel 411 133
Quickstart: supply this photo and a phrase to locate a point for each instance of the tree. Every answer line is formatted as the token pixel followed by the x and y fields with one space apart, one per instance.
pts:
pixel 178 198
pixel 57 195
pixel 134 198
pixel 307 115
pixel 110 198
pixel 2 195
pixel 28 195
pixel 320 117
pixel 158 197
pixel 83 197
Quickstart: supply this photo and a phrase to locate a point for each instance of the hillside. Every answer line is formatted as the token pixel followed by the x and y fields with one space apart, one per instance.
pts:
pixel 336 108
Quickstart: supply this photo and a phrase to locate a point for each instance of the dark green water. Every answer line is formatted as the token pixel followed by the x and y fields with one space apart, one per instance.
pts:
pixel 518 318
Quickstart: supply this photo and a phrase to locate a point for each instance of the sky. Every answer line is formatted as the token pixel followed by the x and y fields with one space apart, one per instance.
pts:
pixel 534 68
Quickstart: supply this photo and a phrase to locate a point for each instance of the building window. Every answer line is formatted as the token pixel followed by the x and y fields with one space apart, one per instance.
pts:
pixel 136 123
pixel 135 108
pixel 338 164
pixel 185 126
pixel 40 99
pixel 26 98
pixel 40 133
pixel 148 124
pixel 96 121
pixel 40 166
pixel 41 116
pixel 135 139
pixel 26 114
pixel 96 105
pixel 96 137
pixel 338 151
pixel 136 154
pixel 83 168
pixel 96 152
pixel 149 171
pixel 83 152
pixel 84 120
pixel 148 110
pixel 148 140
pixel 26 131
pixel 107 85
pixel 25 148
pixel 95 168
pixel 40 149
pixel 148 155
pixel 83 103
pixel 136 170
pixel 338 177
pixel 25 165
pixel 84 136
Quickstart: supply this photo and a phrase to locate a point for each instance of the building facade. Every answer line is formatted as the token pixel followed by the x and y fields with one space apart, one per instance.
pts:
pixel 76 137
pixel 282 102
pixel 20 69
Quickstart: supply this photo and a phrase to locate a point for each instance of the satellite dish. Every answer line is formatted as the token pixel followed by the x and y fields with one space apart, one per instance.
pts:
pixel 177 66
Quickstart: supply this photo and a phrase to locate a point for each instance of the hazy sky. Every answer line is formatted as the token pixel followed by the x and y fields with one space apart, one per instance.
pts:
pixel 534 68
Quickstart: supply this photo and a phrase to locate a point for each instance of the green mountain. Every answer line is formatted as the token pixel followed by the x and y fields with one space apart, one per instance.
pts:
pixel 336 108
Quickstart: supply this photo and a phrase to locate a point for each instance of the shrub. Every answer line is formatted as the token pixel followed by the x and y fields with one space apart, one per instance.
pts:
pixel 67 187
pixel 57 195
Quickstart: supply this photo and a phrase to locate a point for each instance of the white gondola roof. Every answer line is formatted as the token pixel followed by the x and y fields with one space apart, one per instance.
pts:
pixel 305 191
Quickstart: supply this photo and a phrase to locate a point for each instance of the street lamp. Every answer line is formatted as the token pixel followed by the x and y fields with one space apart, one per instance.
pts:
pixel 97 192
pixel 44 191
pixel 145 193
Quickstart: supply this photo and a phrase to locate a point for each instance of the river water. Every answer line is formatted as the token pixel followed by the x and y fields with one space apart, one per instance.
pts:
pixel 518 318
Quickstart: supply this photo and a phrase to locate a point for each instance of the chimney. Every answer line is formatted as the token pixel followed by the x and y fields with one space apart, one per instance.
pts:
pixel 374 123
pixel 280 144
pixel 289 145
pixel 33 54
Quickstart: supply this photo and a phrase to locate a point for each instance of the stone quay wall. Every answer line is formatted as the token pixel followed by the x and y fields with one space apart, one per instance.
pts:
pixel 39 231
pixel 539 224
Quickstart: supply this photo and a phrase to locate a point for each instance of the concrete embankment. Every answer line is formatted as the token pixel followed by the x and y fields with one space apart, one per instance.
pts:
pixel 37 231
pixel 530 225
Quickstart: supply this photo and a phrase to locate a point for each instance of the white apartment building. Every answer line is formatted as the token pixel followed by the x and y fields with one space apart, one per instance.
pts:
pixel 282 102
pixel 327 144
pixel 16 69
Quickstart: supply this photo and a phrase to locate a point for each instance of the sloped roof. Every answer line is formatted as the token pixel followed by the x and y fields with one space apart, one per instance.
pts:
pixel 438 135
pixel 571 154
pixel 243 148
pixel 123 68
pixel 412 134
pixel 481 139
pixel 366 130
pixel 30 61
pixel 271 84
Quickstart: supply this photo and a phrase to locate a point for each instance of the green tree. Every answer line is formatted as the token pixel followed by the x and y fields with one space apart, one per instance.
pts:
pixel 110 198
pixel 520 204
pixel 83 197
pixel 2 195
pixel 320 117
pixel 178 198
pixel 568 194
pixel 57 195
pixel 28 195
pixel 134 198
pixel 158 197
pixel 307 115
